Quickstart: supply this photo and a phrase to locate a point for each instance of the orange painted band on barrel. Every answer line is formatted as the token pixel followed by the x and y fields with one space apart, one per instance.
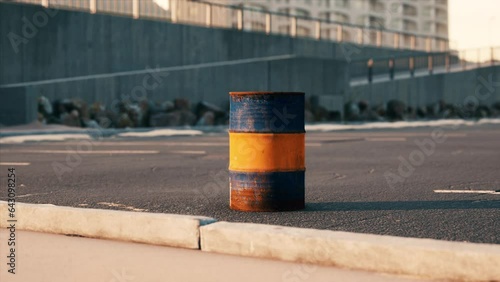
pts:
pixel 257 152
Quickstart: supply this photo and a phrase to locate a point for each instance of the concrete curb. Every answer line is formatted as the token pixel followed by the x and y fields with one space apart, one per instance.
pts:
pixel 425 258
pixel 151 228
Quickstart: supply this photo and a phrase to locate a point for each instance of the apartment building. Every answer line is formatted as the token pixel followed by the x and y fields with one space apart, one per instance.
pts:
pixel 423 17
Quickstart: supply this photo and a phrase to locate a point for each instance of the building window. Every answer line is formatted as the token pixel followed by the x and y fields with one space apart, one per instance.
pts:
pixel 257 26
pixel 326 2
pixel 409 10
pixel 377 6
pixel 441 29
pixel 341 3
pixel 284 11
pixel 409 25
pixel 427 12
pixel 303 31
pixel 427 27
pixel 376 22
pixel 395 24
pixel 441 14
pixel 324 16
pixel 294 12
pixel 340 17
pixel 301 13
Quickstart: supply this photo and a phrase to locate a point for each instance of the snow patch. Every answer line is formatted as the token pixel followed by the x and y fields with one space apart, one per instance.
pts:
pixel 399 124
pixel 161 132
pixel 42 137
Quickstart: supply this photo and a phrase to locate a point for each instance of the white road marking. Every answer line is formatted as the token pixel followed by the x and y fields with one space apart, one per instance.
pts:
pixel 189 152
pixel 131 208
pixel 29 195
pixel 493 192
pixel 313 144
pixel 14 164
pixel 385 139
pixel 145 143
pixel 96 152
pixel 189 144
pixel 167 144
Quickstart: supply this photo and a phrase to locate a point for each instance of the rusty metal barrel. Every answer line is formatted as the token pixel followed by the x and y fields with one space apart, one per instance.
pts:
pixel 266 151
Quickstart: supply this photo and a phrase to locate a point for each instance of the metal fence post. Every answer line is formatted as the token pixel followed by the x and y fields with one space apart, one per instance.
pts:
pixel 411 65
pixel 464 62
pixel 268 23
pixel 92 6
pixel 135 9
pixel 447 62
pixel 208 14
pixel 173 11
pixel 429 64
pixel 492 56
pixel 478 57
pixel 239 15
pixel 428 44
pixel 379 38
pixel 340 33
pixel 318 30
pixel 360 36
pixel 293 26
pixel 413 42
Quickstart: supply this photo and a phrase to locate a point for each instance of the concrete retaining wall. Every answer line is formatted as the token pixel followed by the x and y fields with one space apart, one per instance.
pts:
pixel 70 43
pixel 212 84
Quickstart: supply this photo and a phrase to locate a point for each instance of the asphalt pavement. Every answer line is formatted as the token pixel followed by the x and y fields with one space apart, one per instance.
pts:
pixel 444 189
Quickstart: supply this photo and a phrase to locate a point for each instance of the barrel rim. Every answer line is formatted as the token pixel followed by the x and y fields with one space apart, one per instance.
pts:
pixel 265 93
pixel 244 171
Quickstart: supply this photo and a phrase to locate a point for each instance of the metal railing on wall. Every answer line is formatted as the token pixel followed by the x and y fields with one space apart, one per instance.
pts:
pixel 248 19
pixel 441 62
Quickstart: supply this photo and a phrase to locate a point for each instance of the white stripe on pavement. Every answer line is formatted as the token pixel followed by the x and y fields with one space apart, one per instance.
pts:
pixel 168 144
pixel 313 144
pixel 188 144
pixel 385 139
pixel 189 152
pixel 468 192
pixel 88 152
pixel 15 164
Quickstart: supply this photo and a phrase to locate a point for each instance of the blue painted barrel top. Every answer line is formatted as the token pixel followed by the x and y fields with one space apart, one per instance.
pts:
pixel 267 112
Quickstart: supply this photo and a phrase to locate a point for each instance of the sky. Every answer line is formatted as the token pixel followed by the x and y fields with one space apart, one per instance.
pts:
pixel 474 23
